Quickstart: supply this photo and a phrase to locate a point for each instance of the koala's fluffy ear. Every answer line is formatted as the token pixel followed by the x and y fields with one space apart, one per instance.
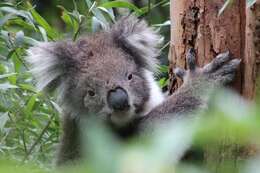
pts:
pixel 138 39
pixel 51 63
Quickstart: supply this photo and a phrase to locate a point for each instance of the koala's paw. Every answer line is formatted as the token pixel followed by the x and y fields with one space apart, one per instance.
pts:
pixel 220 70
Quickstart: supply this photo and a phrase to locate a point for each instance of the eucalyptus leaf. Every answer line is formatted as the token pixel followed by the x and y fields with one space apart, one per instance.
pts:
pixel 6 19
pixel 5 86
pixel 43 33
pixel 21 13
pixel 57 107
pixel 27 87
pixel 51 32
pixel 166 23
pixel 30 104
pixel 69 19
pixel 122 4
pixel 6 4
pixel 249 3
pixel 3 120
pixel 19 38
pixel 109 12
pixel 226 4
pixel 7 75
pixel 96 26
pixel 98 14
pixel 30 41
pixel 22 23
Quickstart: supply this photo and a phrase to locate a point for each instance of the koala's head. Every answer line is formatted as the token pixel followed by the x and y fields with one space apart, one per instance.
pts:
pixel 108 74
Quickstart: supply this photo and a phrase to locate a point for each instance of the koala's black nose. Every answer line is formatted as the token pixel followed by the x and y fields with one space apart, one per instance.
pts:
pixel 118 99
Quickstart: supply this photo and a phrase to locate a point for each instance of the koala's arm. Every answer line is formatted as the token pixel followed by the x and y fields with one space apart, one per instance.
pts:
pixel 197 85
pixel 69 147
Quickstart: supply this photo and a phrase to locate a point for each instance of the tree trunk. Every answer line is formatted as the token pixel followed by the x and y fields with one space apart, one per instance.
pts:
pixel 252 51
pixel 196 24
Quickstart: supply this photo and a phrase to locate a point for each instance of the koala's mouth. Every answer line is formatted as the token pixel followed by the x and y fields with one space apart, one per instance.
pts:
pixel 122 117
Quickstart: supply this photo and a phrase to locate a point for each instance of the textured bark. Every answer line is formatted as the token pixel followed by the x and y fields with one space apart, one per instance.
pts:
pixel 252 51
pixel 196 24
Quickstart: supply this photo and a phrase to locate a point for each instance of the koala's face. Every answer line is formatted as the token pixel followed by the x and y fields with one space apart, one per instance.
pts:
pixel 109 83
pixel 108 74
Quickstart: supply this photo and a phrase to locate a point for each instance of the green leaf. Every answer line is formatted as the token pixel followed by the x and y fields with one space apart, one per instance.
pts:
pixel 109 12
pixel 163 68
pixel 95 24
pixel 145 9
pixel 30 104
pixel 17 62
pixel 6 37
pixel 10 54
pixel 7 75
pixel 28 87
pixel 24 24
pixel 6 4
pixel 163 82
pixel 166 23
pixel 5 86
pixel 57 107
pixel 249 3
pixel 68 19
pixel 52 33
pixel 122 4
pixel 166 4
pixel 6 18
pixel 19 38
pixel 3 119
pixel 226 4
pixel 43 33
pixel 98 14
pixel 21 13
pixel 30 41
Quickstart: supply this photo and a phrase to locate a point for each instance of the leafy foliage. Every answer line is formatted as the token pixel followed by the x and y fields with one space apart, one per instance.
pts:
pixel 225 128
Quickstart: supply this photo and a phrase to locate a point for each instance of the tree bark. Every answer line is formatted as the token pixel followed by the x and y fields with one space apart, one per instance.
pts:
pixel 196 24
pixel 252 51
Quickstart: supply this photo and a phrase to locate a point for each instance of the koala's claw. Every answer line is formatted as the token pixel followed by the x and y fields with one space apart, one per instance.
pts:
pixel 230 67
pixel 217 62
pixel 227 72
pixel 221 69
pixel 191 59
pixel 191 63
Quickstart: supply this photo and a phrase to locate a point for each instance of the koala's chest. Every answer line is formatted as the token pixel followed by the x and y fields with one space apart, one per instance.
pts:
pixel 127 132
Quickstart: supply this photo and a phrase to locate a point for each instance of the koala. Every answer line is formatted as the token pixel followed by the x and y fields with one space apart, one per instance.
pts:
pixel 109 75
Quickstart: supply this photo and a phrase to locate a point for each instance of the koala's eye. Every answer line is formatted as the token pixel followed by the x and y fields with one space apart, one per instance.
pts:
pixel 91 93
pixel 130 77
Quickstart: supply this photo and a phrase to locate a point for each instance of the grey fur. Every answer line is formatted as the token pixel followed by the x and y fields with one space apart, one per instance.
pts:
pixel 69 147
pixel 217 62
pixel 138 39
pixel 102 62
pixel 198 83
pixel 180 72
